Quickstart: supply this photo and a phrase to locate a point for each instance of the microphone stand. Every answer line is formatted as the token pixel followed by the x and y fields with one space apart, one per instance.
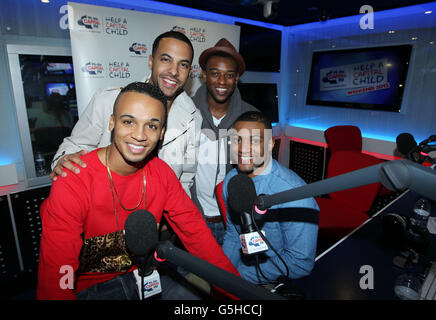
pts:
pixel 225 280
pixel 145 268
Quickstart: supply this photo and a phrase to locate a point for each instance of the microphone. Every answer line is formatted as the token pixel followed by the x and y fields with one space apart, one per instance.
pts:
pixel 242 195
pixel 406 144
pixel 141 238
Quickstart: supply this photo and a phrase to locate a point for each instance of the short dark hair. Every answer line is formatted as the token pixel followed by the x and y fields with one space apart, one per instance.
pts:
pixel 148 89
pixel 254 116
pixel 175 35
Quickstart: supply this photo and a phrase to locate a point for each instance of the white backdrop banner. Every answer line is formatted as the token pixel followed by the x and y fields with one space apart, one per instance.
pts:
pixel 111 47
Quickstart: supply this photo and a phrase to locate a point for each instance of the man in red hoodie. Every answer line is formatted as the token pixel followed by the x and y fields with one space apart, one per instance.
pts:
pixel 82 253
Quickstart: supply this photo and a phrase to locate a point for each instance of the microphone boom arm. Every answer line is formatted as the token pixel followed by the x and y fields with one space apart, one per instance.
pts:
pixel 396 175
pixel 227 281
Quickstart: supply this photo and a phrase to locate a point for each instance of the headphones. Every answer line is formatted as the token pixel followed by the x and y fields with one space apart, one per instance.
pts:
pixel 399 231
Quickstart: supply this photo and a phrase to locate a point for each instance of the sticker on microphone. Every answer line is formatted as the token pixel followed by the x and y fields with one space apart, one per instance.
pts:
pixel 252 243
pixel 152 284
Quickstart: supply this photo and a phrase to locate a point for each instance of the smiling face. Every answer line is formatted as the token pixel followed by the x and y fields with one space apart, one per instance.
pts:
pixel 252 145
pixel 221 78
pixel 137 128
pixel 170 66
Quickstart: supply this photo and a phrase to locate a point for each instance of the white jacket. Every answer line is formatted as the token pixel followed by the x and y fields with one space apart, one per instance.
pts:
pixel 179 147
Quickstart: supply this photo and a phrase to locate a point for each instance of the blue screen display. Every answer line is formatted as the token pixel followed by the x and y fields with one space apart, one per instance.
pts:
pixel 58 87
pixel 370 78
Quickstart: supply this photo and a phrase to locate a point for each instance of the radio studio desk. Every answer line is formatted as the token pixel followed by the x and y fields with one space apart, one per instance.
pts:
pixel 337 271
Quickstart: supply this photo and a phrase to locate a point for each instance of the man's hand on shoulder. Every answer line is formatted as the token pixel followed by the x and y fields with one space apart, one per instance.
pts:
pixel 69 161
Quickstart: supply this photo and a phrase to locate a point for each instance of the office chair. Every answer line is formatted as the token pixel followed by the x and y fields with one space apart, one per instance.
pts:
pixel 343 211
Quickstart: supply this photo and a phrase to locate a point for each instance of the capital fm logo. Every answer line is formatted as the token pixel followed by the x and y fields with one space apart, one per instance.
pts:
pixel 93 69
pixel 152 285
pixel 179 29
pixel 89 23
pixel 255 241
pixel 138 49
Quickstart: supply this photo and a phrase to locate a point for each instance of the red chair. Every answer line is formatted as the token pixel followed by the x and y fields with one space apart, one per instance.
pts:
pixel 221 203
pixel 344 138
pixel 347 138
pixel 345 210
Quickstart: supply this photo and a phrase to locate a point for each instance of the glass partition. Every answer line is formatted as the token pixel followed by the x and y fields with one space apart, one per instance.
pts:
pixel 45 100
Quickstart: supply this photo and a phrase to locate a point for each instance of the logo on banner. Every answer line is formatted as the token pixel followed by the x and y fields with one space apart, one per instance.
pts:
pixel 93 69
pixel 335 76
pixel 197 34
pixel 116 25
pixel 89 23
pixel 179 29
pixel 357 78
pixel 119 70
pixel 139 49
pixel 196 72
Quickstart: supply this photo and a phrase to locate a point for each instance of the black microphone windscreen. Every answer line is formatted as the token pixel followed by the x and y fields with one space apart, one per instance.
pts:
pixel 141 232
pixel 405 143
pixel 242 193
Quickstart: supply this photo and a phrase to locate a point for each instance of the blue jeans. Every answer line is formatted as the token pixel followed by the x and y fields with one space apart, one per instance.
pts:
pixel 218 231
pixel 174 287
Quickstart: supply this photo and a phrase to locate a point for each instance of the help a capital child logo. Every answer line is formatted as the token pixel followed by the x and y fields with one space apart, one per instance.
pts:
pixel 93 69
pixel 197 34
pixel 119 70
pixel 116 26
pixel 89 23
pixel 196 72
pixel 138 49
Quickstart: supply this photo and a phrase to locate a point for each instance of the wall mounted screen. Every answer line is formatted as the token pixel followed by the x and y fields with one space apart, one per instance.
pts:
pixel 366 78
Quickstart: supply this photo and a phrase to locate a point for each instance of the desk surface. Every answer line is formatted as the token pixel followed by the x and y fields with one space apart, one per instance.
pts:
pixel 336 275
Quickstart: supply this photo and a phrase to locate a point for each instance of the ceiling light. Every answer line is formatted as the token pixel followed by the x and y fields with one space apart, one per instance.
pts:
pixel 45 1
pixel 391 31
pixel 414 38
pixel 431 42
pixel 428 12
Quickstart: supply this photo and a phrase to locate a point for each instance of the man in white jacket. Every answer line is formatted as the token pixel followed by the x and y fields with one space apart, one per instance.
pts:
pixel 170 65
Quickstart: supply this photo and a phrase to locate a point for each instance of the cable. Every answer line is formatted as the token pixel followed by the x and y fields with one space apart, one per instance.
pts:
pixel 270 246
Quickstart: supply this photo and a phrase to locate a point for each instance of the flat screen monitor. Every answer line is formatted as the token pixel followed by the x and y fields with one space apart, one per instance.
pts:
pixel 59 68
pixel 59 87
pixel 260 47
pixel 263 96
pixel 366 78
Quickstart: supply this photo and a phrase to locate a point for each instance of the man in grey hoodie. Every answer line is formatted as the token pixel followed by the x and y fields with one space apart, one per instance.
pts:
pixel 220 104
